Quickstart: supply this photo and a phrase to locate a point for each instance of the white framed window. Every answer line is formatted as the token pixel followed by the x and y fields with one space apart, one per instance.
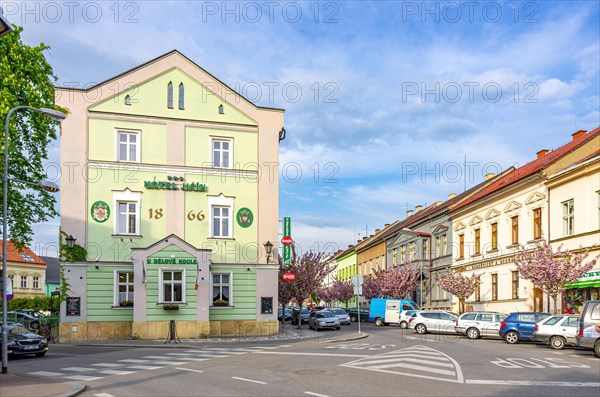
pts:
pixel 221 216
pixel 23 281
pixel 128 146
pixel 123 288
pixel 222 152
pixel 127 219
pixel 568 217
pixel 444 244
pixel 172 286
pixel 36 282
pixel 221 289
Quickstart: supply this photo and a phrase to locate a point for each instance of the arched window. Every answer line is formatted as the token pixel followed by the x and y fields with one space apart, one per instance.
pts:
pixel 221 109
pixel 170 95
pixel 181 96
pixel 127 100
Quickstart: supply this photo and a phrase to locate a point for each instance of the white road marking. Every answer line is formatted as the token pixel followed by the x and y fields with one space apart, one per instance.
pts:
pixel 170 362
pixel 191 370
pixel 78 369
pixel 131 360
pixel 315 394
pixel 531 383
pixel 249 380
pixel 317 354
pixel 46 374
pixel 103 395
pixel 83 377
pixel 115 372
pixel 144 367
pixel 111 365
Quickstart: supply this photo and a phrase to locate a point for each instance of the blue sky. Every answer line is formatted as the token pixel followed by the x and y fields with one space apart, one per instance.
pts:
pixel 386 99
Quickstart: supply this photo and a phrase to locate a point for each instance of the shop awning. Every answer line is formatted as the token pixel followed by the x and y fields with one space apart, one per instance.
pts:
pixel 590 279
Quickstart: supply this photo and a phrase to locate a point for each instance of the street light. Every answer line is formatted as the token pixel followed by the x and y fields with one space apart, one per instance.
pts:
pixel 269 248
pixel 70 242
pixel 48 186
pixel 5 26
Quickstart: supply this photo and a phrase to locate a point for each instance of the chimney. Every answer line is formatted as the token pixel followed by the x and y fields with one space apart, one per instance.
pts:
pixel 418 208
pixel 451 196
pixel 377 231
pixel 409 213
pixel 364 238
pixel 438 203
pixel 489 176
pixel 386 225
pixel 542 153
pixel 578 134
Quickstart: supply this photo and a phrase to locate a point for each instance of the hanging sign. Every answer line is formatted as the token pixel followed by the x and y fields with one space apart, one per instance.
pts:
pixel 287 233
pixel 288 276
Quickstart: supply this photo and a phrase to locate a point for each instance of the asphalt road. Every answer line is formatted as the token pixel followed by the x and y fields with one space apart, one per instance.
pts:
pixel 390 361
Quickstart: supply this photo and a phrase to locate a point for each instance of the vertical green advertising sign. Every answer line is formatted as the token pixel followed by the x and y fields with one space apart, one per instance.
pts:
pixel 287 235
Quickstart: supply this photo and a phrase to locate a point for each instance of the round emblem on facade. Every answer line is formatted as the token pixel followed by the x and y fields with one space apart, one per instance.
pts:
pixel 100 211
pixel 245 217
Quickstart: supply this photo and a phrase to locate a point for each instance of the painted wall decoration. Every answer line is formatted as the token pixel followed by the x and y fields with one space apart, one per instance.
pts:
pixel 244 217
pixel 100 211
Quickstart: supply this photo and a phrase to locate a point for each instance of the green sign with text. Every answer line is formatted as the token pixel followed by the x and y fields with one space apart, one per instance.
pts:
pixel 287 232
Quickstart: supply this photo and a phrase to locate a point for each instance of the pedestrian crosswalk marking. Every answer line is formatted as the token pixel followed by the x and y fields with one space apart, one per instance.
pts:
pixel 418 361
pixel 131 360
pixel 144 367
pixel 115 372
pixel 77 369
pixel 82 377
pixel 112 365
pixel 46 374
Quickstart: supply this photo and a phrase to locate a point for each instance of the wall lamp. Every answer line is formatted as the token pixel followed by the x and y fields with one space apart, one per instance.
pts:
pixel 269 248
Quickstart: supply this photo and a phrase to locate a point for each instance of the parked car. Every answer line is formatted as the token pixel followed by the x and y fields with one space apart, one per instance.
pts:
pixel 557 330
pixel 22 341
pixel 286 312
pixel 32 312
pixel 304 314
pixel 25 319
pixel 353 313
pixel 434 321
pixel 477 324
pixel 341 315
pixel 519 326
pixel 384 311
pixel 322 320
pixel 588 330
pixel 404 317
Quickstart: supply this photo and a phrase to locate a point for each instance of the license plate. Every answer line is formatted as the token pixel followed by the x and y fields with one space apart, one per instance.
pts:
pixel 30 347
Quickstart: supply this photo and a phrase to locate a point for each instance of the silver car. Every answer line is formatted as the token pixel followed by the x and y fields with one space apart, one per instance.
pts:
pixel 323 319
pixel 477 324
pixel 342 316
pixel 434 321
pixel 557 331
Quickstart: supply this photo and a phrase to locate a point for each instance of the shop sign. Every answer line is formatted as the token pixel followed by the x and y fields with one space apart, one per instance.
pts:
pixel 172 261
pixel 244 217
pixel 100 211
pixel 73 306
pixel 175 183
pixel 287 232
pixel 288 276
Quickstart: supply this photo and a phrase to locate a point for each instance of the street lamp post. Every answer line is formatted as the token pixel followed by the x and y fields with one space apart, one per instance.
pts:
pixel 269 248
pixel 51 187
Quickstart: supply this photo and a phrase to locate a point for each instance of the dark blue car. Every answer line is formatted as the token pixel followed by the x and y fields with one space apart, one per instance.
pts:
pixel 519 326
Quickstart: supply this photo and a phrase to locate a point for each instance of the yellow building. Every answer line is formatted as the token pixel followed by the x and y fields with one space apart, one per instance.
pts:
pixel 26 270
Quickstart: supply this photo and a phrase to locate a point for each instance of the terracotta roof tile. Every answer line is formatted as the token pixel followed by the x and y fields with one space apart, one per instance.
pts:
pixel 26 256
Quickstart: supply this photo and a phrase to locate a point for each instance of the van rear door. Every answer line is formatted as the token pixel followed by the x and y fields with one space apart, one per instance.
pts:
pixel 392 311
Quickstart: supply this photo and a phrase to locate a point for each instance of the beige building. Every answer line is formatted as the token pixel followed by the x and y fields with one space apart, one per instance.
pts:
pixel 489 226
pixel 26 270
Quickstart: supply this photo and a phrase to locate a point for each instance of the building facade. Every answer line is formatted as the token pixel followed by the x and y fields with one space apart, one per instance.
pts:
pixel 26 270
pixel 511 211
pixel 173 191
pixel 346 268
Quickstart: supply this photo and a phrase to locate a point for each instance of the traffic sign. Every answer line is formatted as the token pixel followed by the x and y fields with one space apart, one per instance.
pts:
pixel 357 280
pixel 9 290
pixel 288 276
pixel 287 240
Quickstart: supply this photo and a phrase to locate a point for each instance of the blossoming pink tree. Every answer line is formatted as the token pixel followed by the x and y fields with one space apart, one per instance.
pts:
pixel 552 271
pixel 400 280
pixel 372 285
pixel 342 291
pixel 460 286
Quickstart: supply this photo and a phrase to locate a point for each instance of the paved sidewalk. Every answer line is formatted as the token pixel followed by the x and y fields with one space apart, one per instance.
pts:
pixel 13 385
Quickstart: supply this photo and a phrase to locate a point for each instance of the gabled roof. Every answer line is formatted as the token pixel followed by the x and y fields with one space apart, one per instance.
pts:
pixel 27 256
pixel 530 168
pixel 52 269
pixel 170 53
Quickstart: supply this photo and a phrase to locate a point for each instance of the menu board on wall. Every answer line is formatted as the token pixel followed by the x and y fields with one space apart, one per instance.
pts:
pixel 73 306
pixel 266 305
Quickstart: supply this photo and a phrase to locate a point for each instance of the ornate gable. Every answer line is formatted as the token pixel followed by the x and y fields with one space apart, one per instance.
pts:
pixel 459 226
pixel 492 215
pixel 535 198
pixel 512 207
pixel 476 220
pixel 440 229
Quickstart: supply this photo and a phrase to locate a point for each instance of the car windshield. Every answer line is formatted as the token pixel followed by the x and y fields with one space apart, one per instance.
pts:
pixel 337 311
pixel 17 329
pixel 305 311
pixel 324 314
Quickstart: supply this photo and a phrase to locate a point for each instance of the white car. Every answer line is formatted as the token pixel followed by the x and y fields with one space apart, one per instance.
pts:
pixel 477 324
pixel 404 317
pixel 557 331
pixel 434 321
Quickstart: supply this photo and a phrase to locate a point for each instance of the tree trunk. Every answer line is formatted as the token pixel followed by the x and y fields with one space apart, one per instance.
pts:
pixel 554 299
pixel 461 306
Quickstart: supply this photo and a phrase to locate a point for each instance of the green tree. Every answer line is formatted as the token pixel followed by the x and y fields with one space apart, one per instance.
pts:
pixel 26 79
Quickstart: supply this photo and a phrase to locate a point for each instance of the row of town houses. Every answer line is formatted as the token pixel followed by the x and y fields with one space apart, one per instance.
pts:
pixel 554 198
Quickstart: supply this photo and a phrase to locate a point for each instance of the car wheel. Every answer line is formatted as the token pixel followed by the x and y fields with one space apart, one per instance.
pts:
pixel 473 333
pixel 420 328
pixel 557 342
pixel 403 324
pixel 511 337
pixel 338 328
pixel 597 348
pixel 41 354
pixel 353 319
pixel 378 322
